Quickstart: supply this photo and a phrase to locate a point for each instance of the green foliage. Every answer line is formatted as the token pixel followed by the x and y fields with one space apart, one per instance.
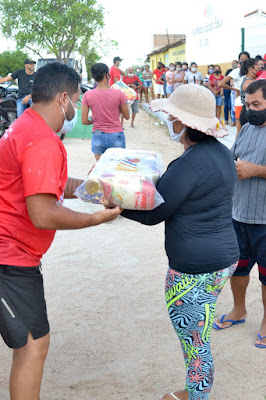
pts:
pixel 10 61
pixel 57 26
pixel 96 51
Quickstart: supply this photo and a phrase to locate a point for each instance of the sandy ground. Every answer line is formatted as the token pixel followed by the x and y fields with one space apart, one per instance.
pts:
pixel 111 337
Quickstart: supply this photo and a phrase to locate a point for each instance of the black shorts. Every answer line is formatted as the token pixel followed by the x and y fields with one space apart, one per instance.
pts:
pixel 22 305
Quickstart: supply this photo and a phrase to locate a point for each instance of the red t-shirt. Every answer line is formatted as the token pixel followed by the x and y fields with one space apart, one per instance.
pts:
pixel 214 81
pixel 33 160
pixel 105 107
pixel 131 79
pixel 114 73
pixel 158 73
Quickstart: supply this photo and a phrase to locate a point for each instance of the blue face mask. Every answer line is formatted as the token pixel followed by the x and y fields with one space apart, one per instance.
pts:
pixel 210 71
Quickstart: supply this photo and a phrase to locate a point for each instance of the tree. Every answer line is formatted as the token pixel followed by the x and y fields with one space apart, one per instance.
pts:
pixel 57 26
pixel 11 60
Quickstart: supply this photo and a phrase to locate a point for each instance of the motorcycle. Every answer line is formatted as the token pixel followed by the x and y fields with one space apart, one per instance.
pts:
pixel 8 106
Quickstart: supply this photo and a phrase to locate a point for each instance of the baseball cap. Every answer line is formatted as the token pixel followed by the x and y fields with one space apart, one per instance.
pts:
pixel 29 61
pixel 117 59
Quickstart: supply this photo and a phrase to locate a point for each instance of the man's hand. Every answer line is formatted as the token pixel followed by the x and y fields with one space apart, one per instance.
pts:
pixel 108 214
pixel 245 169
pixel 26 99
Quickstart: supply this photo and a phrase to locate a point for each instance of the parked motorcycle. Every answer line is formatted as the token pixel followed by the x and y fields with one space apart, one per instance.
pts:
pixel 8 106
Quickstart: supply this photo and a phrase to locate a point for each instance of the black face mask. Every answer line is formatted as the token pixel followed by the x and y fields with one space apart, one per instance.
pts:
pixel 217 72
pixel 256 118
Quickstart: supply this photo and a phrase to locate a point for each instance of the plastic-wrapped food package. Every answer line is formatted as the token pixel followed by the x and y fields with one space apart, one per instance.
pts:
pixel 128 91
pixel 126 178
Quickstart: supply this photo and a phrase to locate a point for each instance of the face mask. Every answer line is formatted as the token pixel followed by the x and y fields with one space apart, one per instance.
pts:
pixel 130 74
pixel 68 125
pixel 193 69
pixel 178 69
pixel 256 118
pixel 138 70
pixel 174 136
pixel 217 72
pixel 210 71
pixel 172 68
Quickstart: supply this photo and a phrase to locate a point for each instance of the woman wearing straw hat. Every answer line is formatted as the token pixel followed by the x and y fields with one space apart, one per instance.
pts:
pixel 200 240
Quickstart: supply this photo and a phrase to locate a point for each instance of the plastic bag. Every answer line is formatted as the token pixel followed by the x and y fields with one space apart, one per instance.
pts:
pixel 128 91
pixel 126 178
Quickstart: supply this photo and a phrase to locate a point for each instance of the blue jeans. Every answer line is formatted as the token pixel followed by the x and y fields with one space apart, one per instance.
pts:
pixel 227 103
pixel 102 141
pixel 233 97
pixel 22 107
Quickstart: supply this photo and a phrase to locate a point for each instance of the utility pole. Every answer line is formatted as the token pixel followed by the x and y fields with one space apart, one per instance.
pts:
pixel 167 36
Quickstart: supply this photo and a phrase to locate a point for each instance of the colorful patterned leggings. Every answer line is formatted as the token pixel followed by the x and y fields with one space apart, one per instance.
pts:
pixel 191 303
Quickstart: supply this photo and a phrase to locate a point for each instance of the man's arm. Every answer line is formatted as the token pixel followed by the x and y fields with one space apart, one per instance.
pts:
pixel 45 213
pixel 246 169
pixel 26 99
pixel 71 186
pixel 6 79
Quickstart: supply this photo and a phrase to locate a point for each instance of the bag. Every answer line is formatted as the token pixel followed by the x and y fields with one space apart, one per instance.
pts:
pixel 126 178
pixel 129 92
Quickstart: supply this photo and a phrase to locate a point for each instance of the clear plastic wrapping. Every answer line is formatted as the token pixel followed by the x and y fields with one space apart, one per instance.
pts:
pixel 126 178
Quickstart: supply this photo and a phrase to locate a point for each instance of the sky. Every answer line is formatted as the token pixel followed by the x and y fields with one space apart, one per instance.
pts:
pixel 132 23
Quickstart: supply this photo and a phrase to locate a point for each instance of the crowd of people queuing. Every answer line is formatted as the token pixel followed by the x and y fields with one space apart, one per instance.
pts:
pixel 228 89
pixel 203 245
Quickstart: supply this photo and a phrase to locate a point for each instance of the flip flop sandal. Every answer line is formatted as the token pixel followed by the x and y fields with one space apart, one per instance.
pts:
pixel 262 346
pixel 233 322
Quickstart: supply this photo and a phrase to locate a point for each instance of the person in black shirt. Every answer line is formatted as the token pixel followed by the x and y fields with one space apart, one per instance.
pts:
pixel 200 240
pixel 25 80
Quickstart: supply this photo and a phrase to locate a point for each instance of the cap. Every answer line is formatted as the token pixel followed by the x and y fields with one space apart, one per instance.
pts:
pixel 117 59
pixel 29 61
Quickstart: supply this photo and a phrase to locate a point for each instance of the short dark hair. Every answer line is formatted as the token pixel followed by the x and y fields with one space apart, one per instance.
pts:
pixel 178 63
pixel 54 78
pixel 258 57
pixel 98 71
pixel 257 85
pixel 245 53
pixel 211 65
pixel 197 136
pixel 193 62
pixel 185 63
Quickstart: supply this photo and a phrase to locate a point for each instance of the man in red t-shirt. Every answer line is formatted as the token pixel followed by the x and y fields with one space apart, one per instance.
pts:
pixel 33 183
pixel 115 72
pixel 158 72
pixel 134 82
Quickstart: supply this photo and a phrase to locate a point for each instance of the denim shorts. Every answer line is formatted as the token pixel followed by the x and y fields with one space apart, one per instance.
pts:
pixel 147 83
pixel 102 141
pixel 219 100
pixel 252 244
pixel 169 89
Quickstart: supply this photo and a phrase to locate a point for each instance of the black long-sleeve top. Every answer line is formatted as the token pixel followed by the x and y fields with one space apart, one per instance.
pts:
pixel 198 189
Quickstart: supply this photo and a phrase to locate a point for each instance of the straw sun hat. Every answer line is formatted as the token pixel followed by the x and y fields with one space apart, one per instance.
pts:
pixel 195 107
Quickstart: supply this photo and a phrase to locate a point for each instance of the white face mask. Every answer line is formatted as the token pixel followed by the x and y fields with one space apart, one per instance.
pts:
pixel 130 74
pixel 174 136
pixel 172 68
pixel 68 125
pixel 138 70
pixel 178 69
pixel 193 69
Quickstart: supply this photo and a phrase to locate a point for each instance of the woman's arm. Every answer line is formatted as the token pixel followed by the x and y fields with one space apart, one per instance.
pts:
pixel 125 110
pixel 84 115
pixel 174 186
